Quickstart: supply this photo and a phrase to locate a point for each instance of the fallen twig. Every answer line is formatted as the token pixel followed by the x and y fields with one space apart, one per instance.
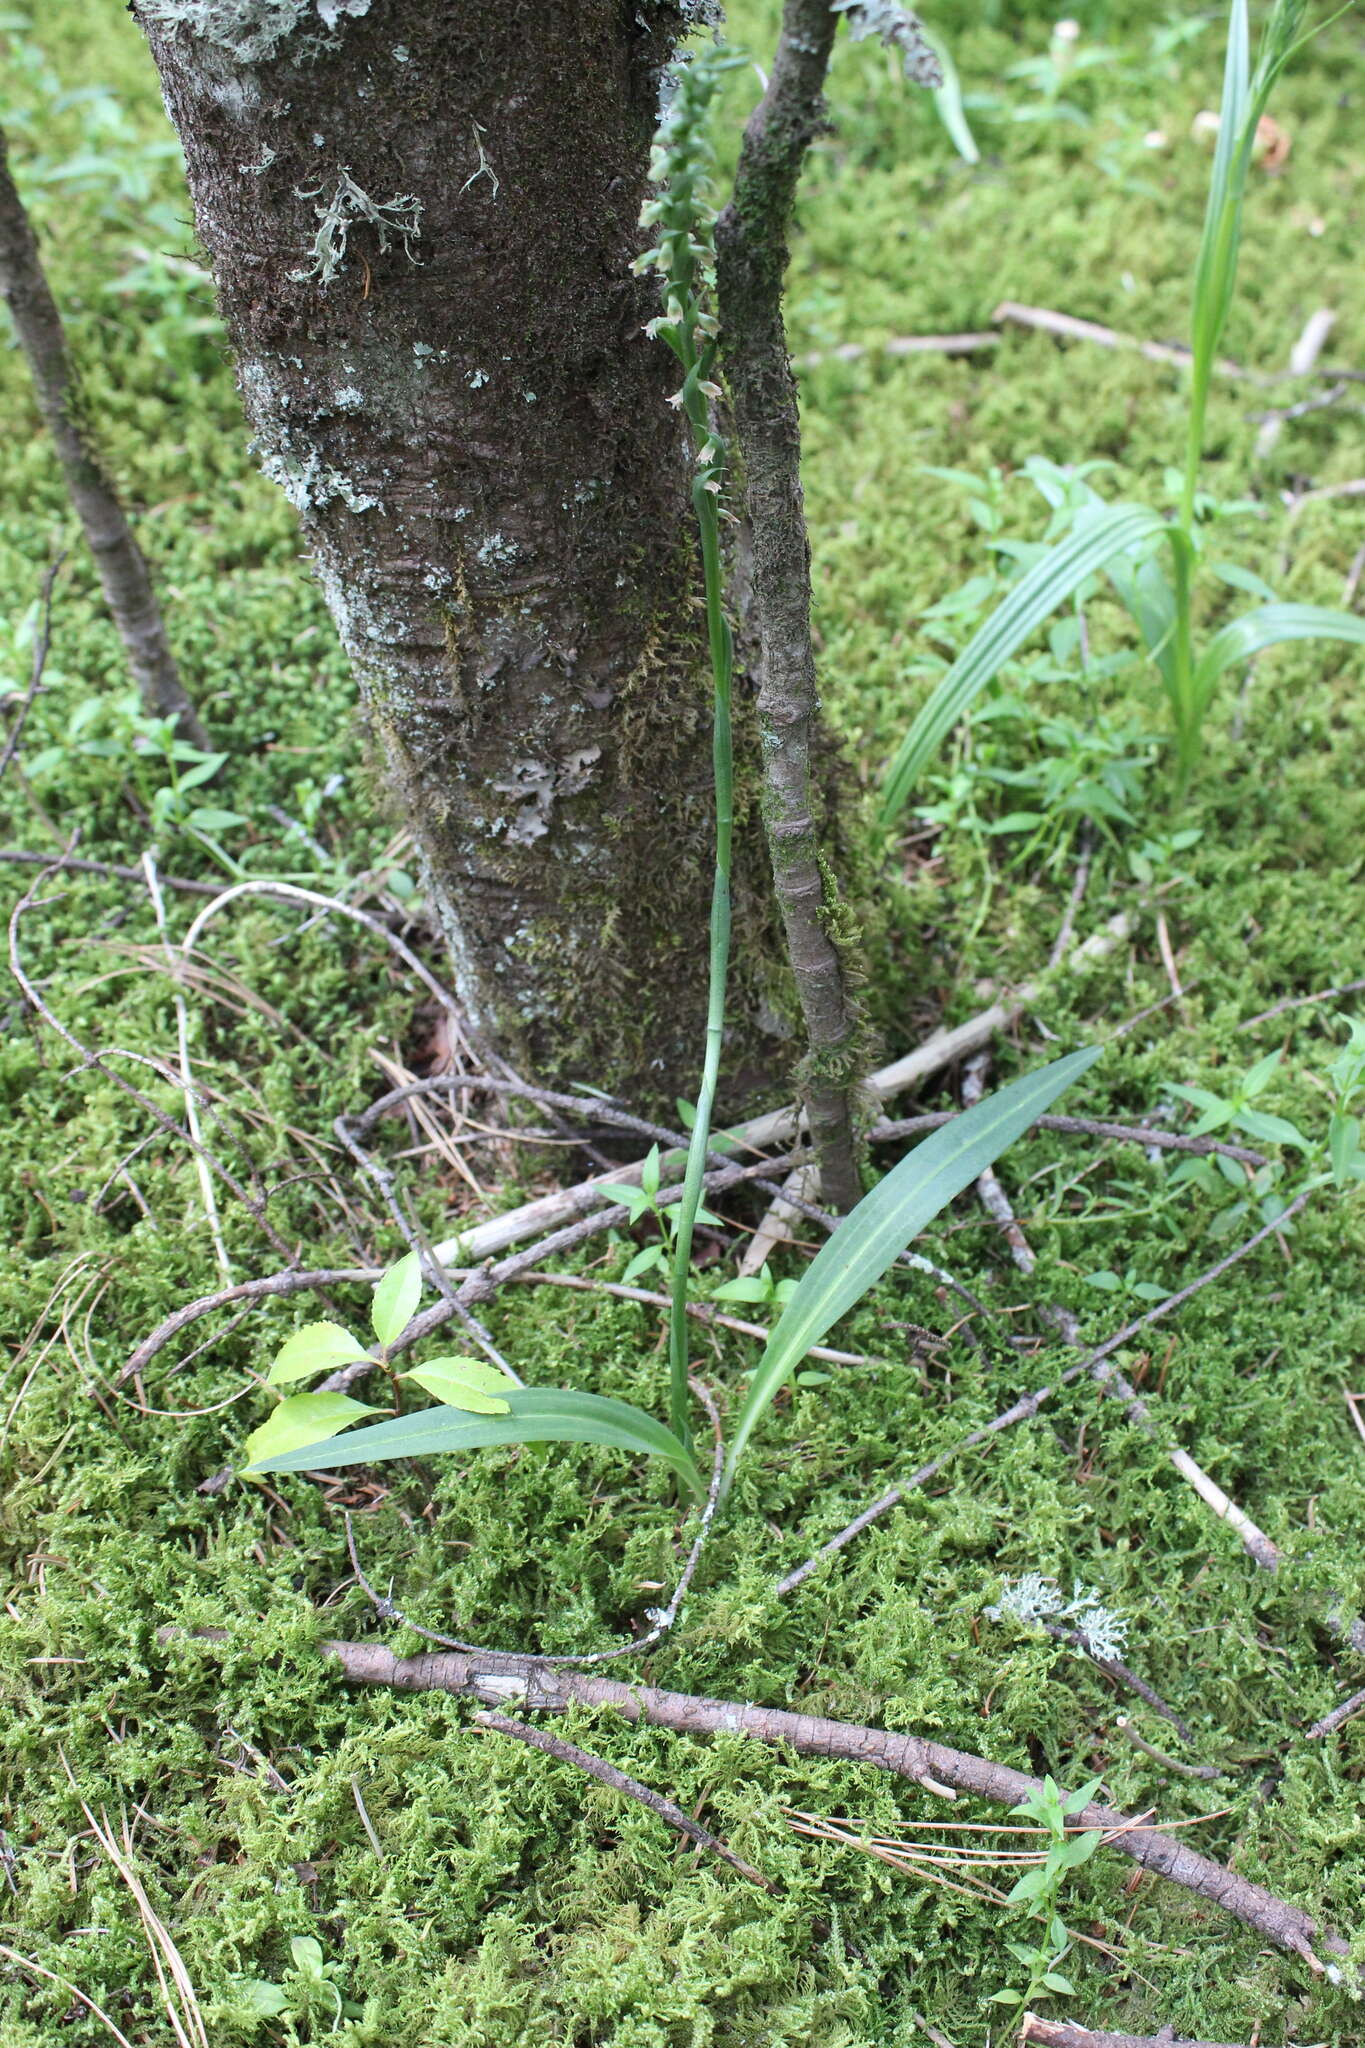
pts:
pixel 781 1126
pixel 1028 1405
pixel 888 1132
pixel 1324 995
pixel 1066 2034
pixel 1068 328
pixel 663 1618
pixel 1159 1756
pixel 507 1680
pixel 630 1788
pixel 42 643
pixel 1338 1717
pixel 1302 358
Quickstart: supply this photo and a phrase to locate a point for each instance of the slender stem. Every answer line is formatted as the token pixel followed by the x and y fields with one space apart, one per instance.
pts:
pixel 718 636
pixel 751 262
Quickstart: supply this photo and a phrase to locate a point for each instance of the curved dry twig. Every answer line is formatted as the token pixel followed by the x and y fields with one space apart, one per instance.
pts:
pixel 663 1619
pixel 508 1680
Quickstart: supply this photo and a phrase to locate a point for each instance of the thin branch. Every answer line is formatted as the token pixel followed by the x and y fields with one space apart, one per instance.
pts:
pixel 1029 1404
pixel 782 1126
pixel 67 864
pixel 1338 1718
pixel 631 1788
pixel 1065 2034
pixel 887 1132
pixel 1159 1756
pixel 42 640
pixel 122 567
pixel 751 262
pixel 189 1092
pixel 526 1683
pixel 663 1618
pixel 1324 995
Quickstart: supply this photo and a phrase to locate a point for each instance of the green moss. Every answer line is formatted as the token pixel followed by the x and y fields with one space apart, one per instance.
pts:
pixel 509 1902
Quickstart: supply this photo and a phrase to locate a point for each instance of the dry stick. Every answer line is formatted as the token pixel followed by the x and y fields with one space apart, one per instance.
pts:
pixel 66 864
pixel 1168 1763
pixel 1066 2034
pixel 99 1061
pixel 1029 1404
pixel 703 1310
pixel 781 1126
pixel 1068 328
pixel 41 645
pixel 189 1092
pixel 902 345
pixel 524 1682
pixel 1324 995
pixel 479 1283
pixel 1302 358
pixel 1121 1675
pixel 122 570
pixel 1338 1717
pixel 1080 1127
pixel 751 262
pixel 607 1774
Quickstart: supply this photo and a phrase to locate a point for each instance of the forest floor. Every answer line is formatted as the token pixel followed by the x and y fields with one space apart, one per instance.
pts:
pixel 228 1786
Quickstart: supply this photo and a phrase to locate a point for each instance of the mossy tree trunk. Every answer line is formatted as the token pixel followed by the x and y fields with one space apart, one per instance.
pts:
pixel 421 221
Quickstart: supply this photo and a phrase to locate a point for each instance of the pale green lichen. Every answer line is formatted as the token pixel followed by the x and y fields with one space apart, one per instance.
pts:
pixel 249 30
pixel 348 206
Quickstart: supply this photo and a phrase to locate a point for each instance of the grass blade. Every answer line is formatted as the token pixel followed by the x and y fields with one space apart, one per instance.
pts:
pixel 538 1415
pixel 1093 542
pixel 1268 626
pixel 890 1218
pixel 948 102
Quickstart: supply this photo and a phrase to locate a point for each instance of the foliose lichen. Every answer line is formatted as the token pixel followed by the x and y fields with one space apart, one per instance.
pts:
pixel 249 30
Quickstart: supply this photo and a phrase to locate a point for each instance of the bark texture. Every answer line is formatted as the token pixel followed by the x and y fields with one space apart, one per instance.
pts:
pixel 506 1680
pixel 119 561
pixel 421 221
pixel 751 262
pixel 1067 2034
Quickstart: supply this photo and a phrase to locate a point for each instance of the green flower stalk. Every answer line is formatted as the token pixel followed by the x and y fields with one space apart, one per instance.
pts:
pixel 684 258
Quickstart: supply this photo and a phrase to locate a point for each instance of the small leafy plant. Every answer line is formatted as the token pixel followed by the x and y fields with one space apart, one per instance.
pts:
pixel 478 1407
pixel 1124 541
pixel 308 1989
pixel 1039 1890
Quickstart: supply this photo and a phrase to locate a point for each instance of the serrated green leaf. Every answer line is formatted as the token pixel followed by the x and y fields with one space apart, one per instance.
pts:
pixel 317 1347
pixel 466 1383
pixel 891 1217
pixel 536 1416
pixel 297 1427
pixel 1096 539
pixel 396 1298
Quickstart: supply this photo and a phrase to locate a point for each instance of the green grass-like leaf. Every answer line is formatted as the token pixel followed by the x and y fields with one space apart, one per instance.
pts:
pixel 1094 541
pixel 1269 626
pixel 890 1218
pixel 539 1415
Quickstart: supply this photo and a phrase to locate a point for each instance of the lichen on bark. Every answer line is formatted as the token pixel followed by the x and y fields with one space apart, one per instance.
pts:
pixel 475 433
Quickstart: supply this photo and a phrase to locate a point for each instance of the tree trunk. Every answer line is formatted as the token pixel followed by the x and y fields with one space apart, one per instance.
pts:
pixel 421 220
pixel 119 560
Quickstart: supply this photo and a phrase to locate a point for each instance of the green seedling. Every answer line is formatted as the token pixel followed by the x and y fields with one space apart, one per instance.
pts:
pixel 1039 1889
pixel 1125 542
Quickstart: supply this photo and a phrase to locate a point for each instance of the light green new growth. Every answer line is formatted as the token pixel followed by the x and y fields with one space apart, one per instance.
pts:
pixel 1163 610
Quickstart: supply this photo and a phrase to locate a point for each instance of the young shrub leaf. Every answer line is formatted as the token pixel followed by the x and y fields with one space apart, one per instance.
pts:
pixel 396 1298
pixel 464 1383
pixel 888 1219
pixel 537 1415
pixel 317 1347
pixel 297 1426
